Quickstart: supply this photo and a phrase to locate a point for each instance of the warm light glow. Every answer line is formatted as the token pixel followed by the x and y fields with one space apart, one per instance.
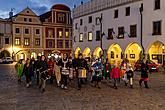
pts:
pixel 163 47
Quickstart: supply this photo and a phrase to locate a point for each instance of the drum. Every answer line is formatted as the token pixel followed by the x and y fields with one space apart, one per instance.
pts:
pixel 82 73
pixel 65 72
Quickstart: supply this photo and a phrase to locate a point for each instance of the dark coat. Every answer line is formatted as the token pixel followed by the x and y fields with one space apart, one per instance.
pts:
pixel 26 70
pixel 144 70
pixel 43 67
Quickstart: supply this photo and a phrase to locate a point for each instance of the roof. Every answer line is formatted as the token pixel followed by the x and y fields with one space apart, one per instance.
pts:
pixel 45 16
pixel 61 7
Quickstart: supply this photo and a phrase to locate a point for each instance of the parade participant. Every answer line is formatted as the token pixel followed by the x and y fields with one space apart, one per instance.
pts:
pixel 57 73
pixel 97 73
pixel 115 74
pixel 107 69
pixel 32 68
pixel 37 69
pixel 50 71
pixel 129 73
pixel 144 74
pixel 64 64
pixel 19 68
pixel 43 73
pixel 70 69
pixel 27 73
pixel 81 66
pixel 123 68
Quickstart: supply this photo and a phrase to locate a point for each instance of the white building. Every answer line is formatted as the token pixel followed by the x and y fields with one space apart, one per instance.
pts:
pixel 122 32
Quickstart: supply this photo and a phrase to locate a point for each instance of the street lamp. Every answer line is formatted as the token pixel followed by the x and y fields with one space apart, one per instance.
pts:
pixel 141 41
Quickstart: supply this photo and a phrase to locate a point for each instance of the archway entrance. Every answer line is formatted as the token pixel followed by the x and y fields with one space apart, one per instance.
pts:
pixel 86 52
pixel 114 54
pixel 133 53
pixel 156 52
pixel 34 55
pixel 97 52
pixel 77 51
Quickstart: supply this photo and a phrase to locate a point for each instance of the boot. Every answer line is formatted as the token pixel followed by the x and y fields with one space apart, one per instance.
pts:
pixel 99 85
pixel 146 85
pixel 131 86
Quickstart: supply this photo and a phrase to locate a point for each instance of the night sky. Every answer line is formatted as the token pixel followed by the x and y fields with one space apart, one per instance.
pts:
pixel 38 6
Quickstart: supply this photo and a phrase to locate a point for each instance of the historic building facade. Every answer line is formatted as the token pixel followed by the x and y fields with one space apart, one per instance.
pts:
pixel 5 37
pixel 120 29
pixel 27 35
pixel 57 27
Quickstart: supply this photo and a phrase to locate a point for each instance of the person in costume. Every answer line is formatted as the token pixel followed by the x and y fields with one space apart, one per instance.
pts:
pixel 115 74
pixel 129 73
pixel 97 73
pixel 57 72
pixel 50 71
pixel 19 68
pixel 64 65
pixel 144 74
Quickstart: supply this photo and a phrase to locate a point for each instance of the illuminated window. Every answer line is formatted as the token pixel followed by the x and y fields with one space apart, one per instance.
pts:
pixel 81 37
pixel 26 41
pixel 17 41
pixel 90 36
pixel 59 33
pixel 37 42
pixel 67 34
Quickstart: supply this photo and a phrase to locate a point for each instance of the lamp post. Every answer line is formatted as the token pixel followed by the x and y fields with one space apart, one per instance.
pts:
pixel 141 34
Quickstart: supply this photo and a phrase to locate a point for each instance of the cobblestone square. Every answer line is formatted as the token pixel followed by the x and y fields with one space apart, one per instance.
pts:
pixel 14 96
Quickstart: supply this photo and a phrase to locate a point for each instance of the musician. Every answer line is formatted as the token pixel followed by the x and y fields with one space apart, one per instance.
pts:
pixel 97 73
pixel 81 64
pixel 64 65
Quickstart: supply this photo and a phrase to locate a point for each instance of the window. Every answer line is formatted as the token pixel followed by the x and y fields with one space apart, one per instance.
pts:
pixel 6 40
pixel 30 20
pixel 50 33
pixel 60 34
pixel 67 33
pixel 90 19
pixel 76 26
pixel 67 44
pixel 81 22
pixel 157 28
pixel 157 4
pixel 97 35
pixel 90 36
pixel 61 17
pixel 17 30
pixel 37 42
pixel 25 19
pixel 27 11
pixel 127 11
pixel 26 41
pixel 50 44
pixel 59 43
pixel 81 37
pixel 133 31
pixel 17 41
pixel 26 31
pixel 110 33
pixel 121 32
pixel 37 31
pixel 97 21
pixel 116 14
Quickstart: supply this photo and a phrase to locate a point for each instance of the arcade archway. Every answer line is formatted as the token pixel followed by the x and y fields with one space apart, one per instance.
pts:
pixel 77 51
pixel 87 52
pixel 114 54
pixel 133 52
pixel 97 52
pixel 156 52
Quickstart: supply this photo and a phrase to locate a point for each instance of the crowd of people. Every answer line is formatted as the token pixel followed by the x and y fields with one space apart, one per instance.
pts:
pixel 64 70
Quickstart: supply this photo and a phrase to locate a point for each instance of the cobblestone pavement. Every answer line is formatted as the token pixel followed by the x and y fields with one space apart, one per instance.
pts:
pixel 14 96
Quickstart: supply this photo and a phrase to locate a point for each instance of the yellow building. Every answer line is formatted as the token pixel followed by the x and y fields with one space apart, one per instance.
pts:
pixel 27 35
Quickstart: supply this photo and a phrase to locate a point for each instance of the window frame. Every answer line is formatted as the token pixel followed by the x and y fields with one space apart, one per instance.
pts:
pixel 81 37
pixel 27 43
pixel 127 11
pixel 116 13
pixel 89 36
pixel 153 28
